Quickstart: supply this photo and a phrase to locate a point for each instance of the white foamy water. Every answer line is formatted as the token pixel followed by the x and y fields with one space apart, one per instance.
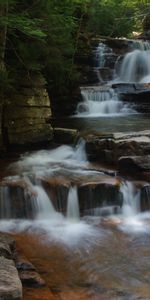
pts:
pixel 100 102
pixel 73 213
pixel 57 230
pixel 131 200
pixel 135 67
pixel 42 205
pixel 41 160
pixel 132 219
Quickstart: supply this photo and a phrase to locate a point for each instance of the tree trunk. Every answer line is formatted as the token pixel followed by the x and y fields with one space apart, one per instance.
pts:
pixel 3 35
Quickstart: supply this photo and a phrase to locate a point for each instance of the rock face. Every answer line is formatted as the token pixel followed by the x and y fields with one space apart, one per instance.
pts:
pixel 10 284
pixel 65 135
pixel 109 148
pixel 27 113
pixel 138 165
pixel 94 195
pixel 136 93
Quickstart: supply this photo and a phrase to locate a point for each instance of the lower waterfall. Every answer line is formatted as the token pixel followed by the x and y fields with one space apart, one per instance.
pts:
pixel 98 102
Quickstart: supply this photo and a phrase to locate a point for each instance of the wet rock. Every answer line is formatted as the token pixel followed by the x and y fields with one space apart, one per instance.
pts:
pixel 135 163
pixel 135 93
pixel 138 166
pixel 94 195
pixel 10 284
pixel 105 74
pixel 31 279
pixel 15 201
pixel 109 148
pixel 57 189
pixel 145 198
pixel 22 264
pixel 65 135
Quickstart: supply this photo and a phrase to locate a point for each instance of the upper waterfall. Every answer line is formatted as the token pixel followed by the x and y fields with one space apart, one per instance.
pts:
pixel 135 66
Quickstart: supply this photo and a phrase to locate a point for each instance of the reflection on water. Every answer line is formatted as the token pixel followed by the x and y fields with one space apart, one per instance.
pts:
pixel 106 124
pixel 112 265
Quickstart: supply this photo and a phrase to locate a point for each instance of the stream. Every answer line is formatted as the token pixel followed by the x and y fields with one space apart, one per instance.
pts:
pixel 83 227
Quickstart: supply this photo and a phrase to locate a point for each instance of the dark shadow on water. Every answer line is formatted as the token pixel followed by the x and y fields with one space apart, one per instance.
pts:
pixel 126 123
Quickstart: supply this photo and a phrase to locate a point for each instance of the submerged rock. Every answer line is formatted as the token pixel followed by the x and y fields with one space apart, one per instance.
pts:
pixel 31 279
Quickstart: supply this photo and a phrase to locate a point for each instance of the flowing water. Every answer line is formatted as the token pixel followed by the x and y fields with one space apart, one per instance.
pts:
pixel 102 102
pixel 86 231
pixel 135 66
pixel 101 255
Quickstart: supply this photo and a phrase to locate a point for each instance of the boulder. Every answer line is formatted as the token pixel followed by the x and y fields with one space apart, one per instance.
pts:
pixel 138 166
pixel 65 135
pixel 31 278
pixel 10 284
pixel 22 264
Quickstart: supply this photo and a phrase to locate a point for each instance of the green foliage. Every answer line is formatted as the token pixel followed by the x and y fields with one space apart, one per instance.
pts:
pixel 45 35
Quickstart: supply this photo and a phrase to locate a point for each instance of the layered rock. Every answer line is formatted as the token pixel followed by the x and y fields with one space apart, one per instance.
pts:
pixel 65 136
pixel 27 113
pixel 109 148
pixel 10 284
pixel 138 166
pixel 135 93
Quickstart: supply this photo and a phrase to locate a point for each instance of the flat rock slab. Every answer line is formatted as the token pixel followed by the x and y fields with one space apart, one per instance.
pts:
pixel 10 284
pixel 65 135
pixel 109 149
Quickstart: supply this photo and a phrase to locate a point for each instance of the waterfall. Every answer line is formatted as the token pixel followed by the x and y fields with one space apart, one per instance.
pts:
pixel 73 212
pixel 98 101
pixel 131 200
pixel 42 205
pixel 102 52
pixel 135 67
pixel 80 151
pixel 139 44
pixel 5 204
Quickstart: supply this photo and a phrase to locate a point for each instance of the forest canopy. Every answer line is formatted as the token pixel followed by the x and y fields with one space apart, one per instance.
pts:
pixel 45 35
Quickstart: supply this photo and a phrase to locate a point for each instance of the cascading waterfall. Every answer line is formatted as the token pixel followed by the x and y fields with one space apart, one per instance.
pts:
pixel 101 102
pixel 73 213
pixel 42 205
pixel 131 200
pixel 26 192
pixel 80 152
pixel 135 66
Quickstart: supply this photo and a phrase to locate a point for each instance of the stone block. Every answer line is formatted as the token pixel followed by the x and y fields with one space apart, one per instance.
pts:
pixel 10 284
